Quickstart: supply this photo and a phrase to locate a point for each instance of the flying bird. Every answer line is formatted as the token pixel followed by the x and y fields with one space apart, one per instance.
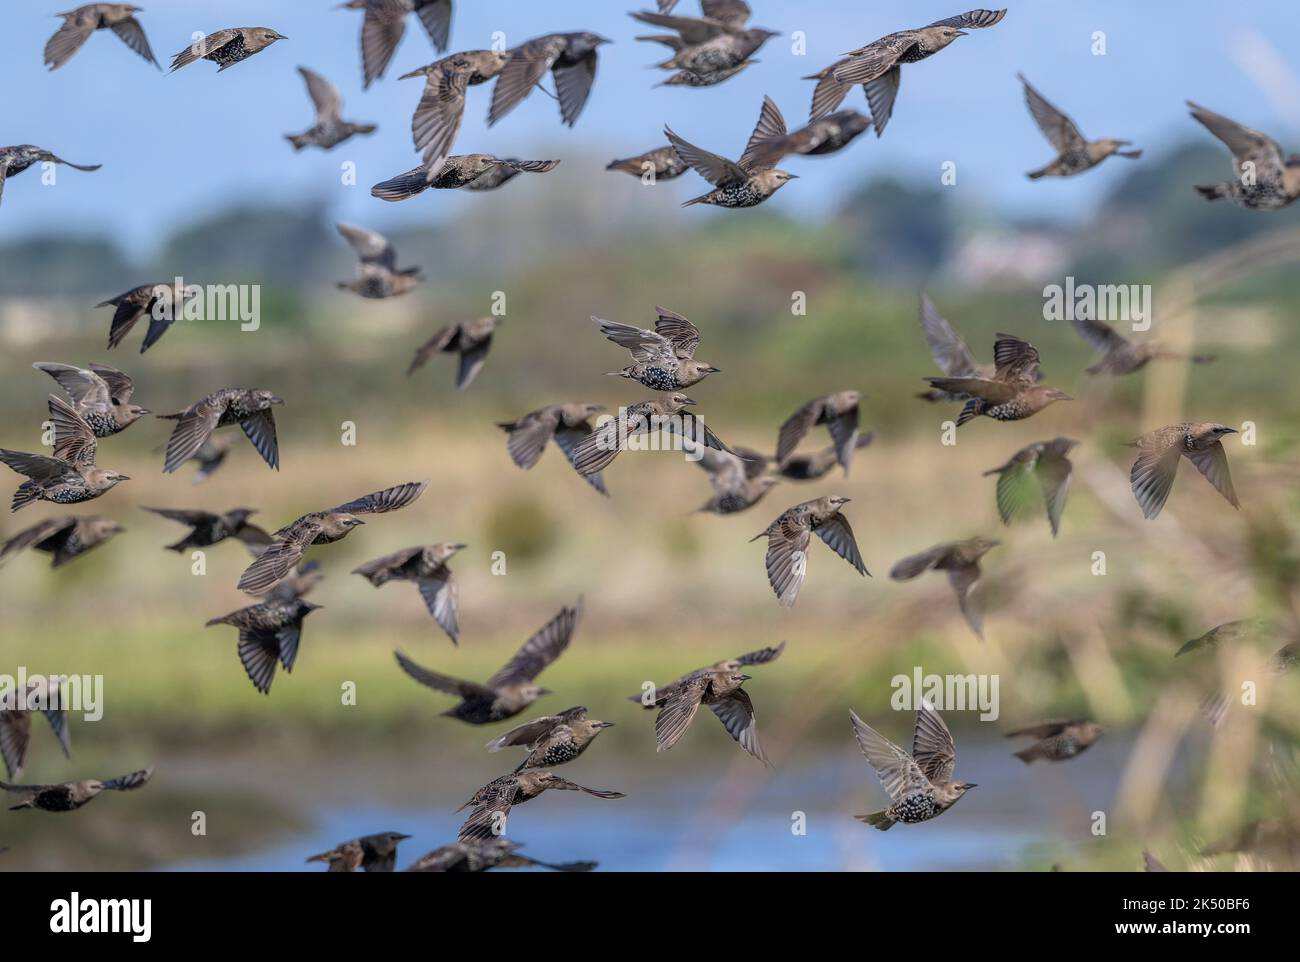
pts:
pixel 370 853
pixel 961 561
pixel 161 303
pixel 1152 476
pixel 826 135
pixel 480 855
pixel 70 796
pixel 269 632
pixel 743 183
pixel 571 59
pixel 208 528
pixel 14 160
pixel 1119 355
pixel 1012 393
pixel 16 723
pixel 788 538
pixel 492 803
pixel 810 467
pixel 513 688
pixel 705 45
pixel 1037 471
pixel 65 537
pixel 80 23
pixel 838 411
pixel 697 78
pixel 426 565
pixel 1074 152
pixel 597 450
pixel 949 351
pixel 470 171
pixel 470 340
pixel 70 475
pixel 1230 632
pixel 1263 178
pixel 298 585
pixel 567 424
pixel 210 456
pixel 552 739
pixel 248 408
pixel 378 275
pixel 664 359
pixel 384 25
pixel 1056 740
pixel 661 163
pixel 321 527
pixel 441 108
pixel 920 786
pixel 737 479
pixel 99 394
pixel 330 128
pixel 227 47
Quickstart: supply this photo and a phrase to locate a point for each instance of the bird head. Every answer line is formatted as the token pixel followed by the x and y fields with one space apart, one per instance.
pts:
pixel 778 178
pixel 1219 430
pixel 1052 394
pixel 838 500
pixel 479 163
pixel 263 399
pixel 240 515
pixel 349 521
pixel 531 692
pixel 112 477
pixel 303 608
pixel 131 413
pixel 265 36
pixel 586 42
pixel 677 400
pixel 590 409
pixel 961 788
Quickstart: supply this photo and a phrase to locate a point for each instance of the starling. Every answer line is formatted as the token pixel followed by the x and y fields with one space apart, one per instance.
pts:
pixel 1231 632
pixel 662 163
pixel 298 585
pixel 949 351
pixel 744 183
pixel 826 135
pixel 568 424
pixel 1119 355
pixel 920 785
pixel 571 59
pixel 552 739
pixel 510 690
pixel 70 796
pixel 961 560
pixel 665 357
pixel 810 467
pixel 210 456
pixel 1262 177
pixel 426 565
pixel 65 537
pixel 1037 470
pixel 1153 472
pixel 877 66
pixel 733 13
pixel 838 411
pixel 14 160
pixel 469 339
pixel 384 25
pixel 442 106
pixel 16 726
pixel 378 275
pixel 79 24
pixel 330 128
pixel 161 303
pixel 227 47
pixel 703 44
pixel 471 171
pixel 736 478
pixel 249 408
pixel 207 528
pixel 787 543
pixel 370 853
pixel 762 656
pixel 492 803
pixel 597 450
pixel 268 632
pixel 696 78
pixel 479 855
pixel 320 527
pixel 1074 152
pixel 70 476
pixel 101 395
pixel 1012 393
pixel 1057 740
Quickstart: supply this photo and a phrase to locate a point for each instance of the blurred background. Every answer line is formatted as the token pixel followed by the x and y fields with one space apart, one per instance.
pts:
pixel 198 182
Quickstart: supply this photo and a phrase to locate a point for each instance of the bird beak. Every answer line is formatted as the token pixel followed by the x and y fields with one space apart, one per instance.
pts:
pixel 276 400
pixel 970 785
pixel 398 837
pixel 600 40
pixel 1231 431
pixel 280 36
pixel 544 691
pixel 847 500
pixel 961 33
pixel 714 370
pixel 689 401
pixel 606 725
pixel 123 477
pixel 358 521
pixel 746 677
pixel 790 176
pixel 144 411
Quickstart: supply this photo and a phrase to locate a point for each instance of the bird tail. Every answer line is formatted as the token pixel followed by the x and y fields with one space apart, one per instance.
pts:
pixel 973 409
pixel 1212 191
pixel 26 494
pixel 630 165
pixel 1203 358
pixel 694 200
pixel 111 302
pixel 1036 174
pixel 1028 755
pixel 880 820
pixel 299 141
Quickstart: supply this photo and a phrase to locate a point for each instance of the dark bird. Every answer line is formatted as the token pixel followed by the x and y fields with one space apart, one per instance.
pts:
pixel 1012 393
pixel 949 351
pixel 426 565
pixel 1263 178
pixel 16 724
pixel 378 275
pixel 1119 355
pixel 788 538
pixel 249 408
pixel 442 105
pixel 1056 740
pixel 330 128
pixel 919 785
pixel 370 853
pixel 961 561
pixel 70 475
pixel 1230 632
pixel 703 44
pixel 492 803
pixel 736 477
pixel 471 171
pixel 743 183
pixel 298 585
pixel 826 135
pixel 227 47
pixel 161 303
pixel 664 359
pixel 14 160
pixel 838 411
pixel 662 163
pixel 1074 152
pixel 810 467
pixel 208 528
pixel 762 656
pixel 480 855
pixel 384 25
pixel 597 450
pixel 513 688
pixel 877 66
pixel 568 424
pixel 269 631
pixel 1152 476
pixel 210 456
pixel 571 59
pixel 65 537
pixel 1037 472
pixel 80 23
pixel 320 527
pixel 468 339
pixel 552 739
pixel 101 395
pixel 70 796
pixel 696 78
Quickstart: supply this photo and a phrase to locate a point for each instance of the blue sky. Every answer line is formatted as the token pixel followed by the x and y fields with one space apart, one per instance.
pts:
pixel 175 147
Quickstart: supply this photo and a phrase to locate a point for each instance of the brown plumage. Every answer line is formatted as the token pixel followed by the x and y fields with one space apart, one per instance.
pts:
pixel 597 451
pixel 746 182
pixel 14 160
pixel 826 135
pixel 552 739
pixel 69 475
pixel 818 464
pixel 80 23
pixel 788 538
pixel 568 424
pixel 250 409
pixel 661 163
pixel 470 171
pixel 330 129
pixel 1119 355
pixel 378 275
pixel 161 303
pixel 384 25
pixel 961 561
pixel 426 565
pixel 480 855
pixel 1012 393
pixel 16 723
pixel 492 803
pixel 227 47
pixel 1152 476
pixel 1263 177
pixel 1037 473
pixel 70 796
pixel 269 632
pixel 663 359
pixel 1074 152
pixel 100 395
pixel 737 479
pixel 438 116
pixel 949 351
pixel 370 853
pixel 705 45
pixel 208 528
pixel 838 412
pixel 468 339
pixel 571 59
pixel 1057 739
pixel 65 537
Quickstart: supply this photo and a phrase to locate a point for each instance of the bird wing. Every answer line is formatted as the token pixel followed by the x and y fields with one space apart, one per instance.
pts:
pixel 120 386
pixel 1213 463
pixel 280 557
pixel 1018 487
pixel 288 637
pixel 370 246
pixel 58 719
pixel 15 733
pixel 86 388
pixel 192 428
pixel 527 65
pixel 762 656
pixel 324 95
pixel 258 653
pixel 913 565
pixel 260 429
pixel 679 329
pixel 734 13
pixel 74 441
pixel 1054 475
pixel 438 115
pixel 37 466
pixel 204 47
pixel 35 535
pixel 692 427
pixel 828 94
pixel 125 313
pixel 1015 359
pixel 573 86
pixel 127 783
pixel 444 683
pixel 962 578
pixel 525 735
pixel 528 166
pixel 839 537
pixel 540 650
pixel 446 338
pixel 844 432
pixel 898 773
pixel 1152 478
pixel 946 345
pixel 1099 334
pixel 678 711
pixel 787 558
pixel 972 19
pixel 1059 129
pixel 67 40
pixel 597 450
pixel 441 595
pixel 726 471
pixel 693 30
pixel 881 94
pixel 932 746
pixel 471 362
pixel 389 499
pixel 528 436
pixel 995 392
pixel 568 440
pixel 771 125
pixel 253 537
pixel 389 562
pixel 435 15
pixel 381 31
pixel 131 33
pixel 717 170
pixel 736 712
pixel 1247 146
pixel 796 426
pixel 192 517
pixel 644 345
pixel 1044 729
